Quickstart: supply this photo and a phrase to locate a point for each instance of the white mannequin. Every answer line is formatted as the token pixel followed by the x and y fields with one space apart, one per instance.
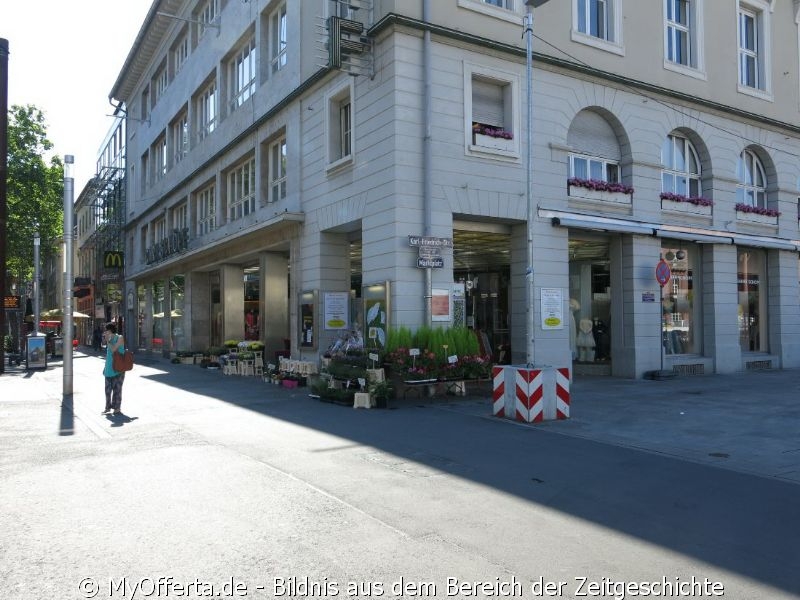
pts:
pixel 585 341
pixel 574 306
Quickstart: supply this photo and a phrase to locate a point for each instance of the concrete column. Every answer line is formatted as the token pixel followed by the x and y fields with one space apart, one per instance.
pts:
pixel 720 302
pixel 274 307
pixel 232 291
pixel 784 310
pixel 636 340
pixel 197 305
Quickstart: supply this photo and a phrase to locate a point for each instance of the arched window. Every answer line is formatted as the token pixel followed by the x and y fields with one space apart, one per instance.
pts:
pixel 681 167
pixel 596 148
pixel 752 188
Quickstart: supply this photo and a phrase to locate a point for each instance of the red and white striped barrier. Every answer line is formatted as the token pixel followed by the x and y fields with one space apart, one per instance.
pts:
pixel 498 392
pixel 530 395
pixel 562 393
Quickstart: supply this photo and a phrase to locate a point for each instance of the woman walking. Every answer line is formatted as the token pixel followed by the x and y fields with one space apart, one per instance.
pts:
pixel 114 379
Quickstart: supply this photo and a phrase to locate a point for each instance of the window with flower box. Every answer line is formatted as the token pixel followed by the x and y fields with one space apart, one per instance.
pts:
pixel 680 174
pixel 752 188
pixel 206 210
pixel 594 165
pixel 241 190
pixel 492 110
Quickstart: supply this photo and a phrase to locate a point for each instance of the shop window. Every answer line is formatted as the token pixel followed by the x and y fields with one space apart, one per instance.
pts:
pixel 752 291
pixel 680 314
pixel 590 300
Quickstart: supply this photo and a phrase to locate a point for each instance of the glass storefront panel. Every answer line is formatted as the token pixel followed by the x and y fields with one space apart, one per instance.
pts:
pixel 680 323
pixel 590 300
pixel 176 299
pixel 252 295
pixel 158 315
pixel 752 288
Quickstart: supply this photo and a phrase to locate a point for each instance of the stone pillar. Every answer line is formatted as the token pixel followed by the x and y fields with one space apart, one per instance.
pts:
pixel 784 309
pixel 720 302
pixel 274 305
pixel 232 290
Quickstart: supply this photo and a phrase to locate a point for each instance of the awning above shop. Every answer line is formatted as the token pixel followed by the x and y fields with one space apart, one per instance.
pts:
pixel 701 236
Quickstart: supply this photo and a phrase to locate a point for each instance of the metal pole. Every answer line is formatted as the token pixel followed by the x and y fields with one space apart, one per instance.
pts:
pixel 3 185
pixel 37 278
pixel 67 279
pixel 528 24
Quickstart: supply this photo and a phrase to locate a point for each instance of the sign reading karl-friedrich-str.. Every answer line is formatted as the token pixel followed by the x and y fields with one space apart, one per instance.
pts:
pixel 436 242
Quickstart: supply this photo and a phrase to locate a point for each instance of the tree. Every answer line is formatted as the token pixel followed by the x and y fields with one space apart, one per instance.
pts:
pixel 35 191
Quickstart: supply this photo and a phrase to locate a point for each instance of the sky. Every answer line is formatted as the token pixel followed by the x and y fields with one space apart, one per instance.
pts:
pixel 64 58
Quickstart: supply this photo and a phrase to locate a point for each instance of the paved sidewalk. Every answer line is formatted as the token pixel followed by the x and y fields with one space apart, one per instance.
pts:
pixel 747 422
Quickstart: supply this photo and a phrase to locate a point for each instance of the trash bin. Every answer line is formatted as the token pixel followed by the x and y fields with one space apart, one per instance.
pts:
pixel 58 346
pixel 36 351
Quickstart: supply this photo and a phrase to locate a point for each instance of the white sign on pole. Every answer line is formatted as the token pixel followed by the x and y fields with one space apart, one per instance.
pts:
pixel 552 308
pixel 336 310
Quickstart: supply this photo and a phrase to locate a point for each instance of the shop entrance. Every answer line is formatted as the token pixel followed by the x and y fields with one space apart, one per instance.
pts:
pixel 590 304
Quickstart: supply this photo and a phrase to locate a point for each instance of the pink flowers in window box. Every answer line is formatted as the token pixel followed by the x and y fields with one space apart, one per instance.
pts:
pixel 599 185
pixel 495 132
pixel 758 210
pixel 679 198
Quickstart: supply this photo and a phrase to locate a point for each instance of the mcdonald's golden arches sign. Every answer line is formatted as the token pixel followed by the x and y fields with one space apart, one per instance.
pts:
pixel 113 259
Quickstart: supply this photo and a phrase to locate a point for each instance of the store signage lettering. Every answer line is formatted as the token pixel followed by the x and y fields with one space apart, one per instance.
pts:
pixel 176 241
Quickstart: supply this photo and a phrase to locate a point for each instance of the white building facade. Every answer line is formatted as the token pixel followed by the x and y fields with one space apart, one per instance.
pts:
pixel 284 158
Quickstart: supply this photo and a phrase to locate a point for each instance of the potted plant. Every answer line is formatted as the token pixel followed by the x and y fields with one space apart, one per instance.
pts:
pixel 381 392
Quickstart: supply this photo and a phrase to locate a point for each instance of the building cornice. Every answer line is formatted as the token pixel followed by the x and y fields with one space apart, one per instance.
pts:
pixel 395 20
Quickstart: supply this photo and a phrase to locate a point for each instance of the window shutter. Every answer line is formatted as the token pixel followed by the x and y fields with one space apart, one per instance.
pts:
pixel 487 103
pixel 592 135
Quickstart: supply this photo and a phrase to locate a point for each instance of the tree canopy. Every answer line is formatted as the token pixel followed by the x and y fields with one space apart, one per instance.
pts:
pixel 35 191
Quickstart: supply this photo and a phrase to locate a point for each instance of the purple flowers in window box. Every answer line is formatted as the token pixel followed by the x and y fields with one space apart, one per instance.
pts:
pixel 758 210
pixel 599 185
pixel 495 132
pixel 679 198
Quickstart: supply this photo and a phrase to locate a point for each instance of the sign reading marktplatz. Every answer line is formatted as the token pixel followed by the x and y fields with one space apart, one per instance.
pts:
pixel 12 302
pixel 113 259
pixel 430 250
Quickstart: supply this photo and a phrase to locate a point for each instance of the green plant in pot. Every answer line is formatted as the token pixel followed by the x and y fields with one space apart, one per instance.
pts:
pixel 381 393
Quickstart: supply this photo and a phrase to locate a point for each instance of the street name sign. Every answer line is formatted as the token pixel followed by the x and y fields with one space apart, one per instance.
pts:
pixel 435 242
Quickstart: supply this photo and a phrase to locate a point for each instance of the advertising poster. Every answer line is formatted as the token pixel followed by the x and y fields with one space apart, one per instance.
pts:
pixel 440 305
pixel 336 310
pixel 552 308
pixel 37 355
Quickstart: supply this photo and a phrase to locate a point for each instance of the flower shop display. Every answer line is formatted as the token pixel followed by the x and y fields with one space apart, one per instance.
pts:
pixel 599 185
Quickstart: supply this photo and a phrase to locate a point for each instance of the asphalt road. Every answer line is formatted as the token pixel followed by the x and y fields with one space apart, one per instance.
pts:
pixel 217 486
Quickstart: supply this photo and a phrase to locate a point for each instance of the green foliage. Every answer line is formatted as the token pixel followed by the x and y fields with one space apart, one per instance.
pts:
pixel 35 197
pixel 216 351
pixel 256 346
pixel 231 343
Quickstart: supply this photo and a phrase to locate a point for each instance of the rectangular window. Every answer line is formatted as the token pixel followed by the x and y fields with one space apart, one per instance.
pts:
pixel 242 190
pixel 206 14
pixel 180 216
pixel 340 125
pixel 206 210
pixel 160 82
pixel 145 103
pixel 593 18
pixel 584 167
pixel 680 333
pixel 507 4
pixel 207 110
pixel 279 39
pixel 159 158
pixel 749 48
pixel 242 74
pixel 180 52
pixel 159 230
pixel 277 171
pixel 180 137
pixel 752 287
pixel 679 32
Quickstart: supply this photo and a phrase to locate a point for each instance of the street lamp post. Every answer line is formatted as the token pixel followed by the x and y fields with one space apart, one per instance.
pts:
pixel 69 195
pixel 37 277
pixel 528 27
